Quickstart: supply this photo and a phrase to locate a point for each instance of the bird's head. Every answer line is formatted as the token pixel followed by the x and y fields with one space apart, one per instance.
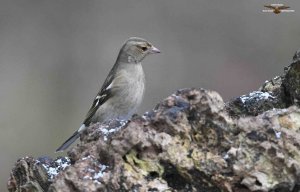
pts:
pixel 136 49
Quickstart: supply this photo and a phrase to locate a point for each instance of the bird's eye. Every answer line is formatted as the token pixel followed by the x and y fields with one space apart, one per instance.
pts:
pixel 144 48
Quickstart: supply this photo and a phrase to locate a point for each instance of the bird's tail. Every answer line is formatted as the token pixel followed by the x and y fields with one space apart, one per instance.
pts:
pixel 72 139
pixel 68 142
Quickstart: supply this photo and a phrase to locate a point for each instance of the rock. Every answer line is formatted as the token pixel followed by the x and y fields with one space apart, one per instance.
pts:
pixel 31 174
pixel 280 92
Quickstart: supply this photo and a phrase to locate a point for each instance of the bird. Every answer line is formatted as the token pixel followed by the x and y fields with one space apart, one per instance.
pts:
pixel 122 90
pixel 277 8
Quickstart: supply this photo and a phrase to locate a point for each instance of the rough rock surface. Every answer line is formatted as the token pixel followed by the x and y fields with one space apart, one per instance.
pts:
pixel 191 141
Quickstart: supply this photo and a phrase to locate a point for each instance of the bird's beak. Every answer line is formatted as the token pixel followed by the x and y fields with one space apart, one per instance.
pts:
pixel 154 50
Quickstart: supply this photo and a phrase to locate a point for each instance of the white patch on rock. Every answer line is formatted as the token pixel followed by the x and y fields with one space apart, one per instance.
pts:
pixel 52 171
pixel 106 131
pixel 257 95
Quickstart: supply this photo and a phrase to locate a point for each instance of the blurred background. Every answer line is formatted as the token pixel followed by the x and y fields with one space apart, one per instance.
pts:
pixel 55 55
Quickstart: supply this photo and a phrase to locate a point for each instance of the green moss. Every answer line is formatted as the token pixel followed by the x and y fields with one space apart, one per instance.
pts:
pixel 145 165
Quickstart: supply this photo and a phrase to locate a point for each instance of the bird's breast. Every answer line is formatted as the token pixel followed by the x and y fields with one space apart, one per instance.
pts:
pixel 130 84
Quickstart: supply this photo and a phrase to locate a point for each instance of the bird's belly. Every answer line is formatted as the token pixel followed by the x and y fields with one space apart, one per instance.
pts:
pixel 122 106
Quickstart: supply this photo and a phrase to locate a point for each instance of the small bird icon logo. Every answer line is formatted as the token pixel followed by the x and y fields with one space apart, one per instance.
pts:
pixel 277 8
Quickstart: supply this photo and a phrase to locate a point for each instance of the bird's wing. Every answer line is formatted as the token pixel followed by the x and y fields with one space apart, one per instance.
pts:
pixel 98 101
pixel 269 6
pixel 103 95
pixel 283 7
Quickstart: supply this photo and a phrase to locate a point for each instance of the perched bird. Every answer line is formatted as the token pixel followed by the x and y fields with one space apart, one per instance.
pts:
pixel 277 8
pixel 123 89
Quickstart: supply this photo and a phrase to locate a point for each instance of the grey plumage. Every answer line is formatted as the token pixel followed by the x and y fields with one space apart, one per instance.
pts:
pixel 123 89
